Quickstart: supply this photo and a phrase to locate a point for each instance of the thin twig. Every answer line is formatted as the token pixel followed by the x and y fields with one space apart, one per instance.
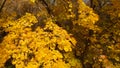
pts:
pixel 2 4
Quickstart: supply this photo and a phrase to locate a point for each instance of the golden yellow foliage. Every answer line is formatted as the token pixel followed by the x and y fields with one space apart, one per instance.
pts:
pixel 60 34
pixel 42 47
pixel 33 1
pixel 86 17
pixel 4 55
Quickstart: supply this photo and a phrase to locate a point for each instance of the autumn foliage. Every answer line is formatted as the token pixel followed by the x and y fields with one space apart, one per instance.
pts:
pixel 60 34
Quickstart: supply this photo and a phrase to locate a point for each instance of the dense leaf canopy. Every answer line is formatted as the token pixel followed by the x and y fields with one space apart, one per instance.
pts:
pixel 59 34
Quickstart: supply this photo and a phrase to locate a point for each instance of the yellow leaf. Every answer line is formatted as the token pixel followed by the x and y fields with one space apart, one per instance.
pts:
pixel 33 1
